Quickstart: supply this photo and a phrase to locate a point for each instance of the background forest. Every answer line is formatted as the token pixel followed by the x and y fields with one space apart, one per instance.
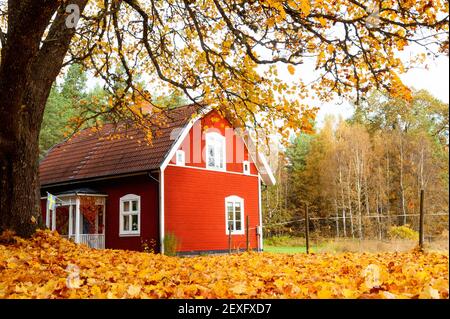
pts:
pixel 361 176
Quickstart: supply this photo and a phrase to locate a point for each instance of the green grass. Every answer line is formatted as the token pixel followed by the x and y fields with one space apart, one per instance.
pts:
pixel 285 249
pixel 287 245
pixel 290 249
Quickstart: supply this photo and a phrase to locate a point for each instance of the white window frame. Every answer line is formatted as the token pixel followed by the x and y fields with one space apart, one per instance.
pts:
pixel 180 158
pixel 244 165
pixel 234 199
pixel 214 137
pixel 130 198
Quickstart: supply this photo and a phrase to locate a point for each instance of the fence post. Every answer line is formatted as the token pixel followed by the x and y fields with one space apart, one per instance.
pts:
pixel 229 238
pixel 421 232
pixel 307 229
pixel 248 238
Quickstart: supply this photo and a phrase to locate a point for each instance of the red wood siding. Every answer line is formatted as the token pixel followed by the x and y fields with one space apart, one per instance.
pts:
pixel 195 196
pixel 147 189
pixel 236 152
pixel 195 207
pixel 143 186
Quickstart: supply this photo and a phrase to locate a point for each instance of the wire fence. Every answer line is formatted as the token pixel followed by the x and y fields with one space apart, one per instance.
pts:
pixel 373 226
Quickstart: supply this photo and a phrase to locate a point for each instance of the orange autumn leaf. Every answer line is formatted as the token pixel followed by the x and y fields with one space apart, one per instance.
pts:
pixel 48 266
pixel 291 69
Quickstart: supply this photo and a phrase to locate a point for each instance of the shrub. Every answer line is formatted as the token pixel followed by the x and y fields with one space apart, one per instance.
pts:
pixel 148 246
pixel 403 232
pixel 171 243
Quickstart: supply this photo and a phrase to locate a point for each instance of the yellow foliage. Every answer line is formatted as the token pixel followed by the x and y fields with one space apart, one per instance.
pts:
pixel 291 69
pixel 403 232
pixel 47 266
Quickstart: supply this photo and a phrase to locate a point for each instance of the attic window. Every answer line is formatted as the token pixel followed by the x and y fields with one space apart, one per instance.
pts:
pixel 180 158
pixel 246 167
pixel 215 151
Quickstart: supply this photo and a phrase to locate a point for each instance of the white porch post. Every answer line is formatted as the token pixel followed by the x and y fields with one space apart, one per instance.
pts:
pixel 96 222
pixel 70 220
pixel 77 220
pixel 103 241
pixel 54 218
pixel 47 214
pixel 104 213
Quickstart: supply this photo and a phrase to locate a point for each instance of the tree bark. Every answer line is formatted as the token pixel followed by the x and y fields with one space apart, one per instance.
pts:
pixel 27 70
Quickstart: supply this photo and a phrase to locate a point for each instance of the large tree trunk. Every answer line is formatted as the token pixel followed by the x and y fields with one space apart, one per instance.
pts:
pixel 19 189
pixel 27 70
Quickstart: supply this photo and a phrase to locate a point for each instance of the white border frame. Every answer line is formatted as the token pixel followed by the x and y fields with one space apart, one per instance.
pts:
pixel 130 233
pixel 234 199
pixel 183 155
pixel 217 137
pixel 246 171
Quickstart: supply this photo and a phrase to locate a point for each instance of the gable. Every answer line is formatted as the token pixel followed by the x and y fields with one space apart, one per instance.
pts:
pixel 193 144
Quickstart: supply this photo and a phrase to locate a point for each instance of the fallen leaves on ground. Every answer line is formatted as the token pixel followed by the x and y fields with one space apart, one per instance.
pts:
pixel 47 266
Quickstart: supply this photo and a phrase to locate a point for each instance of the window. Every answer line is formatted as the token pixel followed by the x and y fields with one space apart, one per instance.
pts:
pixel 130 215
pixel 246 167
pixel 215 151
pixel 234 214
pixel 180 158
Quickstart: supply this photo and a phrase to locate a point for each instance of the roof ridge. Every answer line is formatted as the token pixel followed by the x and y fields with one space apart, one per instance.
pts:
pixel 126 121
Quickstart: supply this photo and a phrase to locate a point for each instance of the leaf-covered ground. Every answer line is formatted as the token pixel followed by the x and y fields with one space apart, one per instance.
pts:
pixel 47 266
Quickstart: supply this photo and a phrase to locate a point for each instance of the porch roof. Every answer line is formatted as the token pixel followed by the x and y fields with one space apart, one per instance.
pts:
pixel 81 191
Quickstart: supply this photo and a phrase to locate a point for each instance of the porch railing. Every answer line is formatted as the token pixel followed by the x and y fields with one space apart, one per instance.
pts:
pixel 96 241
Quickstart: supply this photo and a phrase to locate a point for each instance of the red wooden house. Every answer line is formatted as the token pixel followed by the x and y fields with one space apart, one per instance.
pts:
pixel 197 180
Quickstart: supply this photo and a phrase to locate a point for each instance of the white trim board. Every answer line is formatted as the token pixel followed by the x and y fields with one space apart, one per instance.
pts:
pixel 182 136
pixel 260 238
pixel 213 170
pixel 266 172
pixel 161 212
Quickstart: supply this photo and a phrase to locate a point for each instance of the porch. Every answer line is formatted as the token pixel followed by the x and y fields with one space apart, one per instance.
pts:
pixel 79 215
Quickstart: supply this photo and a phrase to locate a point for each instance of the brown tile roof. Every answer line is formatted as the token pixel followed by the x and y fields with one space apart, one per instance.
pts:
pixel 91 154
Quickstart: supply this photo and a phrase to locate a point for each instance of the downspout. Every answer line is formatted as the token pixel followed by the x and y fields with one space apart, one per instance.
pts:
pixel 261 247
pixel 161 210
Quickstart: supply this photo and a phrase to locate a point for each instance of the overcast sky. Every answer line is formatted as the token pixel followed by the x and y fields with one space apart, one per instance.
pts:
pixel 435 79
pixel 432 76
